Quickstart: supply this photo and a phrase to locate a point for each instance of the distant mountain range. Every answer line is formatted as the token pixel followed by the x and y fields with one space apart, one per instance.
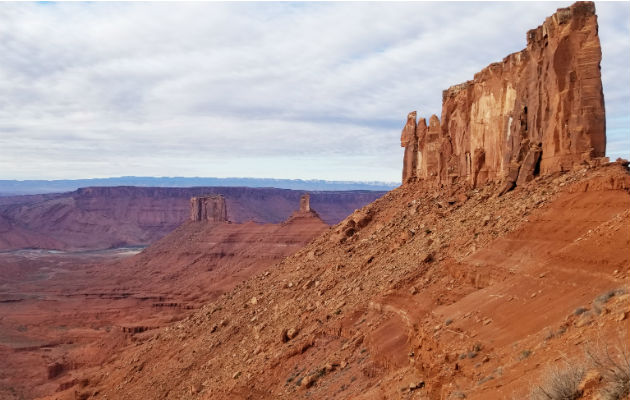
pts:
pixel 15 187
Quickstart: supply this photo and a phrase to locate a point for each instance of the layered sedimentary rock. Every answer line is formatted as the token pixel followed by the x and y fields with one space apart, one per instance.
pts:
pixel 540 110
pixel 107 217
pixel 208 208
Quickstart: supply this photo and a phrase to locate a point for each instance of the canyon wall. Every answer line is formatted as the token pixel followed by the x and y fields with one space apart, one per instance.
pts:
pixel 104 217
pixel 540 110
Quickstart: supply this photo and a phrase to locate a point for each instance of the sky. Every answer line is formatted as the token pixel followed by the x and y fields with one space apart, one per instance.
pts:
pixel 275 90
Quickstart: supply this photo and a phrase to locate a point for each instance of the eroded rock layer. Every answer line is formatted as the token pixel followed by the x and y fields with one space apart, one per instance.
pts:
pixel 540 110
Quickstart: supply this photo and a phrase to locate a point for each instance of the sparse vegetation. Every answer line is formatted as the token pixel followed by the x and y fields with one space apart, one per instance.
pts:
pixel 559 384
pixel 615 370
pixel 564 383
pixel 580 311
pixel 549 334
pixel 604 297
pixel 524 354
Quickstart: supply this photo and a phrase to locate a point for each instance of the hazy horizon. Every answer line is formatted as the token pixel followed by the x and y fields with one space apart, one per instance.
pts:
pixel 29 187
pixel 263 90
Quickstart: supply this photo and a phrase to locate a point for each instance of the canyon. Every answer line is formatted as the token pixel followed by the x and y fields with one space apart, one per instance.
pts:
pixel 108 217
pixel 455 293
pixel 62 312
pixel 501 259
pixel 500 263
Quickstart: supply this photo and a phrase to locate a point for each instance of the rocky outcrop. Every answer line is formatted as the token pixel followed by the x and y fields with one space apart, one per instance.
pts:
pixel 540 110
pixel 305 210
pixel 208 208
pixel 305 203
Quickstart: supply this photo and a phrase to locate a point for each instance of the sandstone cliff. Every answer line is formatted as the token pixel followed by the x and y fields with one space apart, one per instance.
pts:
pixel 208 208
pixel 540 110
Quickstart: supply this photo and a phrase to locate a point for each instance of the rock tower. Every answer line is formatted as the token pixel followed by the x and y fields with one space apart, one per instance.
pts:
pixel 305 203
pixel 538 111
pixel 208 208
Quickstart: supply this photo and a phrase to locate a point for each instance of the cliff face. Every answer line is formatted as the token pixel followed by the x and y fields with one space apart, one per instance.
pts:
pixel 540 110
pixel 208 208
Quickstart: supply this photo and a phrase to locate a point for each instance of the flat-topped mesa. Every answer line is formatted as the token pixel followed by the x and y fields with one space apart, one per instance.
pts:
pixel 539 111
pixel 208 208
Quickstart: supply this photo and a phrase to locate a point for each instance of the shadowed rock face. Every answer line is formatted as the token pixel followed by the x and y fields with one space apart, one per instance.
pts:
pixel 540 110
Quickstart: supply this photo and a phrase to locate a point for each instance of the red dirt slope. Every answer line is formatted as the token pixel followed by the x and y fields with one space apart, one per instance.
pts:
pixel 450 294
pixel 59 315
pixel 201 260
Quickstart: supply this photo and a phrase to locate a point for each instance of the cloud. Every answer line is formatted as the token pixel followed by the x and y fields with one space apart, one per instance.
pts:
pixel 287 90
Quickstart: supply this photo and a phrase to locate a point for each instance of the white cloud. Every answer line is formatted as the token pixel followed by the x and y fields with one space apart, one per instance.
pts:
pixel 287 90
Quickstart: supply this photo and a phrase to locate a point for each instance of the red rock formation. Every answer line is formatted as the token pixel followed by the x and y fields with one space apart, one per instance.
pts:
pixel 106 217
pixel 192 265
pixel 540 110
pixel 409 141
pixel 208 208
pixel 305 211
pixel 305 203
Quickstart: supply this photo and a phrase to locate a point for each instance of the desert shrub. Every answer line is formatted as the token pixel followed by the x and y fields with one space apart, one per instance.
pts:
pixel 559 384
pixel 549 334
pixel 604 297
pixel 580 311
pixel 524 354
pixel 614 366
